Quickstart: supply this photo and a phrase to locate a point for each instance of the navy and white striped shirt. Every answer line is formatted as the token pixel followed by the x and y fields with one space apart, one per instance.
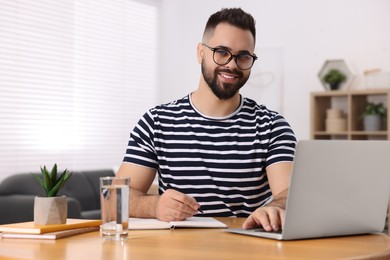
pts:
pixel 220 162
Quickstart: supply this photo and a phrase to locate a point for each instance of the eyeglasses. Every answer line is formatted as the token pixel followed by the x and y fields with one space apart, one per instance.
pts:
pixel 223 56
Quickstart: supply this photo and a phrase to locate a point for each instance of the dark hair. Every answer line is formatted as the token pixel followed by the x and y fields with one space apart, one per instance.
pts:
pixel 233 16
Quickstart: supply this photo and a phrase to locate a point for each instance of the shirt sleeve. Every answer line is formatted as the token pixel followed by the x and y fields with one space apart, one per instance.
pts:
pixel 282 142
pixel 140 149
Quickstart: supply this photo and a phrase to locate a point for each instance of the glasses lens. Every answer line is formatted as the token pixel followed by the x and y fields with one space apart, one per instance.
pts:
pixel 222 57
pixel 244 61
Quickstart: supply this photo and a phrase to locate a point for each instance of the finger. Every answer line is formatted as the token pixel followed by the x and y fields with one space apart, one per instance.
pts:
pixel 190 205
pixel 265 223
pixel 258 218
pixel 176 205
pixel 250 222
pixel 274 218
pixel 282 218
pixel 262 218
pixel 168 209
pixel 181 208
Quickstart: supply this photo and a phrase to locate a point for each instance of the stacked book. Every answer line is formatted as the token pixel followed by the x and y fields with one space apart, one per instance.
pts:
pixel 335 121
pixel 28 230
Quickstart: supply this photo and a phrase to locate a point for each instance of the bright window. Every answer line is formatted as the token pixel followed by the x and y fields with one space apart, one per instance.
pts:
pixel 75 76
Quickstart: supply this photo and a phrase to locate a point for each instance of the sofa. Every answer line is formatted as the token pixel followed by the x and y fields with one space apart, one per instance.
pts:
pixel 17 193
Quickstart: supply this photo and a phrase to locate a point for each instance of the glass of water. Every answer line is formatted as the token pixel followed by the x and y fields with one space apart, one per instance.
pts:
pixel 114 201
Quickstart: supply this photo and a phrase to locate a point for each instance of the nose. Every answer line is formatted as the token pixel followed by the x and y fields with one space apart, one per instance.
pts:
pixel 232 62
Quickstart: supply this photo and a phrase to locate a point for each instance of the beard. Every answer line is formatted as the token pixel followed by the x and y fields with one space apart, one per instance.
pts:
pixel 221 90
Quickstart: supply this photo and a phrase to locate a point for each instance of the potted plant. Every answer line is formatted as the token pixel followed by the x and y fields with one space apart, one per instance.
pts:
pixel 334 78
pixel 373 115
pixel 51 209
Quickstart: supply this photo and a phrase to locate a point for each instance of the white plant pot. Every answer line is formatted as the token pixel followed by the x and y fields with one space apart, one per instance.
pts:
pixel 50 210
pixel 372 123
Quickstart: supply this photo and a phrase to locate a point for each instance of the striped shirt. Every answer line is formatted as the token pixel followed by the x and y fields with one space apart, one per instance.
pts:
pixel 220 162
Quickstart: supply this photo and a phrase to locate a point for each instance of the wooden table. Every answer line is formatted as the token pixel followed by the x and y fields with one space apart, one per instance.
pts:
pixel 196 244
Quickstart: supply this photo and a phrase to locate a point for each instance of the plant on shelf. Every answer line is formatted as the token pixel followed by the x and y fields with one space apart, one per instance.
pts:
pixel 372 108
pixel 372 115
pixel 51 209
pixel 334 78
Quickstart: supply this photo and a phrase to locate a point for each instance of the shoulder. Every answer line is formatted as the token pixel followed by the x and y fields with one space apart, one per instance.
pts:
pixel 176 105
pixel 266 118
pixel 251 106
pixel 170 112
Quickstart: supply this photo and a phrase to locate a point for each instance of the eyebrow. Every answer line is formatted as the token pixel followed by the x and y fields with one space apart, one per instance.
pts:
pixel 227 48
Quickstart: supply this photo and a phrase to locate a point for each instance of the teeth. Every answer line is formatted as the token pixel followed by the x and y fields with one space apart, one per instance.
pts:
pixel 228 77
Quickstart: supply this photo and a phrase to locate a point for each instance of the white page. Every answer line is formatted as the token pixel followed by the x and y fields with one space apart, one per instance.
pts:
pixel 202 222
pixel 148 223
pixel 193 222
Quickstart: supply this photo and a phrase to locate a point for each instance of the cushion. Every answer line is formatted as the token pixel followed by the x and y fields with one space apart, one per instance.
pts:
pixel 23 183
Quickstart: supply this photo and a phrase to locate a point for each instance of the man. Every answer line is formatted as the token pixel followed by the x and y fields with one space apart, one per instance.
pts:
pixel 216 152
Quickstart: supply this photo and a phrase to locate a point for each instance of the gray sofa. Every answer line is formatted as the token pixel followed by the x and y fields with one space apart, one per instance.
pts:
pixel 17 193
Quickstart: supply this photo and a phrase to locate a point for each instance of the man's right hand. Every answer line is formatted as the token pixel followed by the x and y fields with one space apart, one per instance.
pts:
pixel 173 205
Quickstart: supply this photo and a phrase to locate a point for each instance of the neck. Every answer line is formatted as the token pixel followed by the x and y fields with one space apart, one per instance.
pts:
pixel 208 104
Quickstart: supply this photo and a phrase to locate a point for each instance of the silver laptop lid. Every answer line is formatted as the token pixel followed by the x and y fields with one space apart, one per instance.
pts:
pixel 338 188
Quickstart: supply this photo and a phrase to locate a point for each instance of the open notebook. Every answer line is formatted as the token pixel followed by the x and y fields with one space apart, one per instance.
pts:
pixel 193 222
pixel 337 188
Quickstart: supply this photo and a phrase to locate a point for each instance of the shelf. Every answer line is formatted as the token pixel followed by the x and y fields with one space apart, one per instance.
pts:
pixel 330 133
pixel 368 132
pixel 350 105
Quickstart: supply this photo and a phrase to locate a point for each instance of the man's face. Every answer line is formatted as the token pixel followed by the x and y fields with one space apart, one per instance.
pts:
pixel 226 80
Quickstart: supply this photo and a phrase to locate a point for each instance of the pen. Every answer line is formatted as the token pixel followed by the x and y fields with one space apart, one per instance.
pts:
pixel 170 187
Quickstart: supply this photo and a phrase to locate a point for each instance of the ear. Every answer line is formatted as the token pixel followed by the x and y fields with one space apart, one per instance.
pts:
pixel 200 52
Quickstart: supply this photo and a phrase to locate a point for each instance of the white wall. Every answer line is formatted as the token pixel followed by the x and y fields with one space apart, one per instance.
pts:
pixel 308 32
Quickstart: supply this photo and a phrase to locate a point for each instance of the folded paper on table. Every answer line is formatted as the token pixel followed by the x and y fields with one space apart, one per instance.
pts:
pixel 51 235
pixel 193 222
pixel 31 228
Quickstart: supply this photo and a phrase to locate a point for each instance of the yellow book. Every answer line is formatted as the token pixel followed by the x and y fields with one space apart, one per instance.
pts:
pixel 50 235
pixel 31 228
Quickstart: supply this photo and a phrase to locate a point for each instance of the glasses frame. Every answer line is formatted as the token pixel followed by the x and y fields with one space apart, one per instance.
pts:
pixel 231 56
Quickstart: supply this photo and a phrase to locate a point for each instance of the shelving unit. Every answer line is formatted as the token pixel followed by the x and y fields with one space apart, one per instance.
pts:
pixel 352 104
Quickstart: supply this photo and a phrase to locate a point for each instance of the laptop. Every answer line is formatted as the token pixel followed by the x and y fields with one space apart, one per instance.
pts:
pixel 337 188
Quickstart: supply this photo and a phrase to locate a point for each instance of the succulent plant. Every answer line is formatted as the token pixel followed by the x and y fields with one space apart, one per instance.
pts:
pixel 334 77
pixel 374 109
pixel 50 182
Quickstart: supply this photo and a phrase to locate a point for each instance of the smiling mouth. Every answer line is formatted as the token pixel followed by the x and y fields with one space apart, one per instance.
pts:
pixel 228 77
